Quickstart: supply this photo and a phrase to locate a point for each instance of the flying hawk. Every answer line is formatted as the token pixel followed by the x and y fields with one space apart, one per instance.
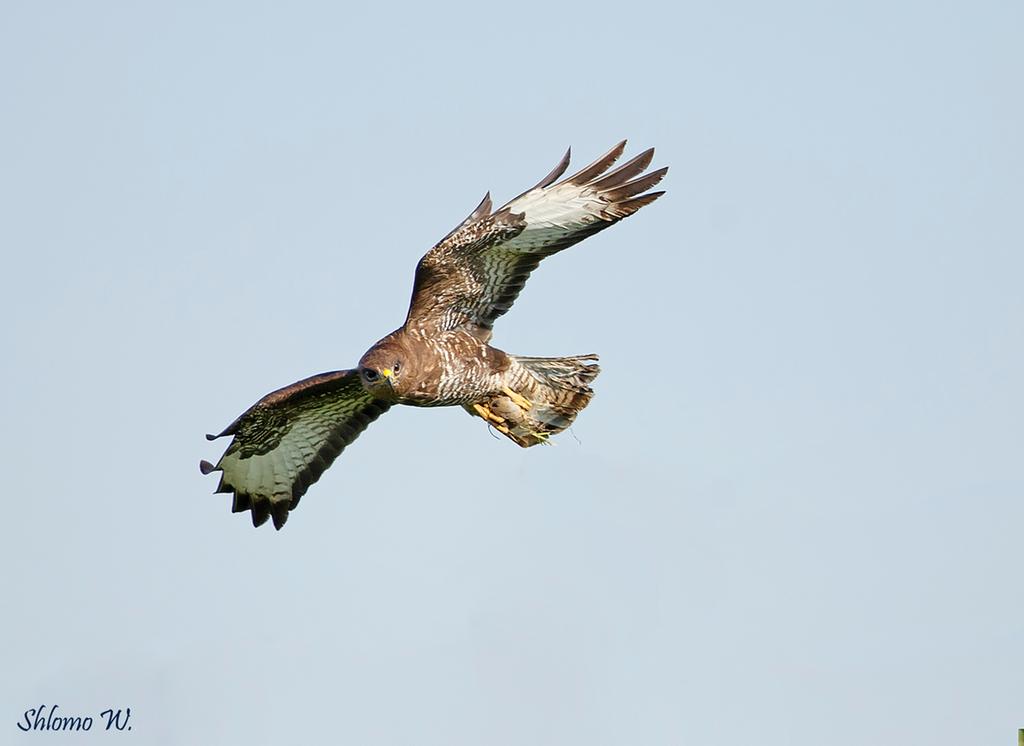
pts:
pixel 441 356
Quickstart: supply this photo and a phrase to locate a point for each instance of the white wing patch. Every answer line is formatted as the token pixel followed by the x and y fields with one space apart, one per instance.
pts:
pixel 477 271
pixel 583 203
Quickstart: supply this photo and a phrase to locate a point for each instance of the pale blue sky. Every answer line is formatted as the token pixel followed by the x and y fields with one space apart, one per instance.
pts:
pixel 793 513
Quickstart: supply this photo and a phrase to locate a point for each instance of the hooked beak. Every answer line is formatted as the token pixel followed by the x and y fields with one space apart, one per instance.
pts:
pixel 389 376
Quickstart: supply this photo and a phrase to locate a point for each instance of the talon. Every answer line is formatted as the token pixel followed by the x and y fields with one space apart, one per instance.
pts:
pixel 517 398
pixel 488 415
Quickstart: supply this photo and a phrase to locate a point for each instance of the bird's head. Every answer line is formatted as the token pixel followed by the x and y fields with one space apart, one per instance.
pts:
pixel 384 370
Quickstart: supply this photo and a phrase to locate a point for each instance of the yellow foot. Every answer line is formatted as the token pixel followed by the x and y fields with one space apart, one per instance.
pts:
pixel 497 420
pixel 487 414
pixel 520 400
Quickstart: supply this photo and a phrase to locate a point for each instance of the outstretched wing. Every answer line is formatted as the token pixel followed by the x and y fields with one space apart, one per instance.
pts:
pixel 476 272
pixel 286 440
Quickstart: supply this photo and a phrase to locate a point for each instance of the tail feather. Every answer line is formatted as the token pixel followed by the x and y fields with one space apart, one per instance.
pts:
pixel 563 373
pixel 542 400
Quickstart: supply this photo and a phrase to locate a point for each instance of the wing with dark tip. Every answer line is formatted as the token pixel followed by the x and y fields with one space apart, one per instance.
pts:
pixel 477 271
pixel 286 440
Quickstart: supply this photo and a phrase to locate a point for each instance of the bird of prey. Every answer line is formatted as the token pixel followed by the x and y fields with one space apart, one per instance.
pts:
pixel 441 356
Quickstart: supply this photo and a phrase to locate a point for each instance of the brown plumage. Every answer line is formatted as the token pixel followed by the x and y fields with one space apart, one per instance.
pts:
pixel 441 356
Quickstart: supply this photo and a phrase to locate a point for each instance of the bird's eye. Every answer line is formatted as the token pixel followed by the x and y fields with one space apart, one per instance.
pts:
pixel 397 367
pixel 370 375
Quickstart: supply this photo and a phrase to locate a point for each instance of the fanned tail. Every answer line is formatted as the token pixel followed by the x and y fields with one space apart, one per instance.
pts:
pixel 543 400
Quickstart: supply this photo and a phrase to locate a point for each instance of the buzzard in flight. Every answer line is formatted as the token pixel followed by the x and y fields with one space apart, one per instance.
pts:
pixel 441 356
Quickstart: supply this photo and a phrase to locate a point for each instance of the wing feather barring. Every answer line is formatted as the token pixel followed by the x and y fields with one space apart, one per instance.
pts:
pixel 442 355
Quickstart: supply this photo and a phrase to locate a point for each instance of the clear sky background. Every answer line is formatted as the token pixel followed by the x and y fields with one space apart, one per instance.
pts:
pixel 793 513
